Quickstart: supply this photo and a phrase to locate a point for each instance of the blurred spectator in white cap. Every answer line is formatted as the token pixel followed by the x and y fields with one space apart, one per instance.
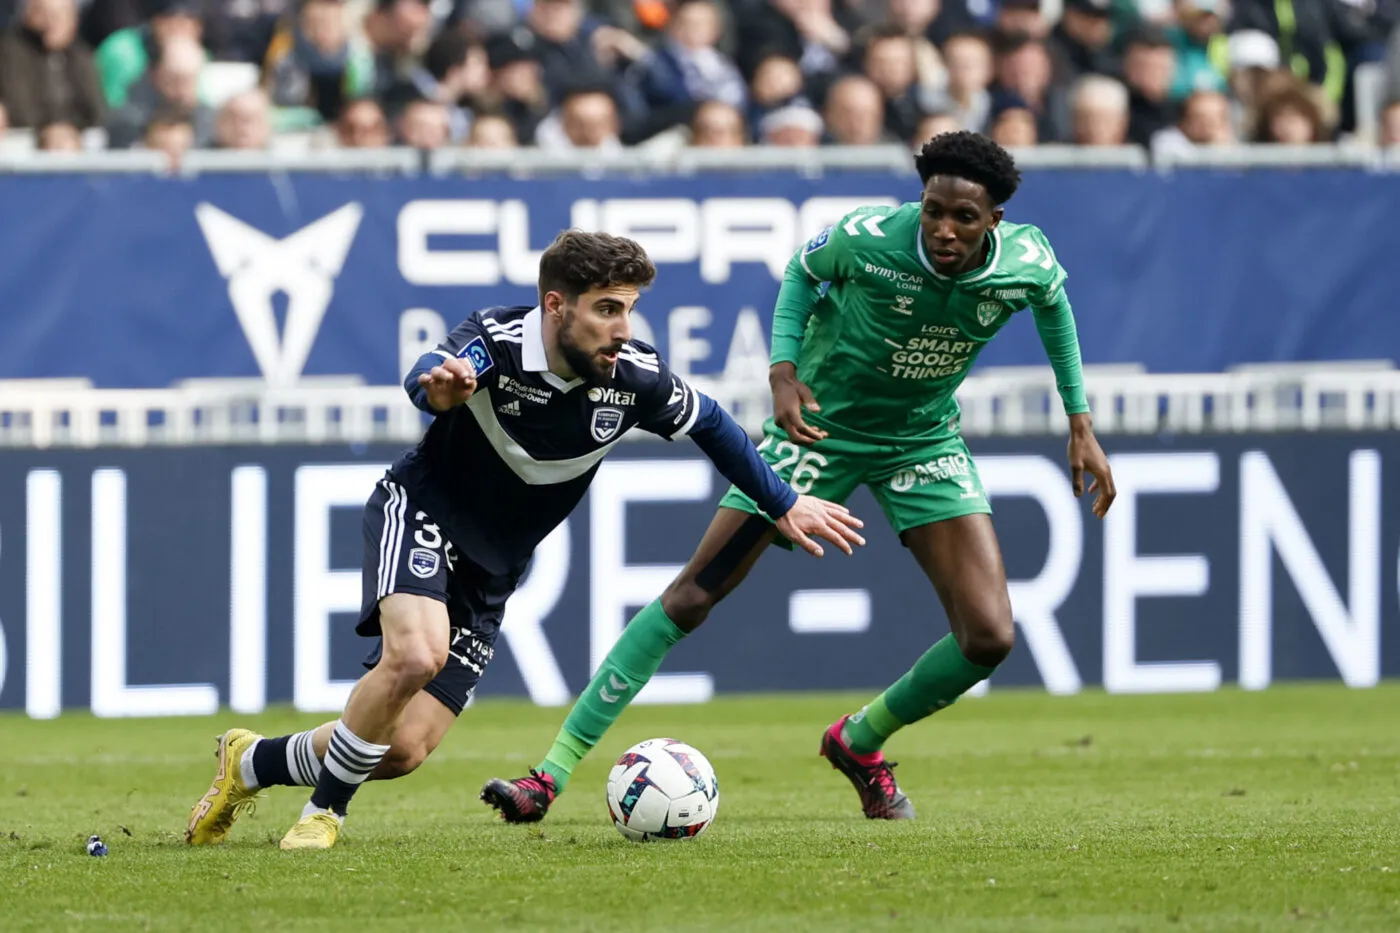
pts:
pixel 796 125
pixel 718 125
pixel 1082 42
pixel 127 54
pixel 854 112
pixel 1205 121
pixel 244 122
pixel 313 64
pixel 362 125
pixel 1254 62
pixel 492 131
pixel 46 73
pixel 172 84
pixel 1149 65
pixel 1100 107
pixel 1202 49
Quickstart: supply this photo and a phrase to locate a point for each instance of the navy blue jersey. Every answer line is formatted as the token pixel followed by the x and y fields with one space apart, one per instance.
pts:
pixel 500 472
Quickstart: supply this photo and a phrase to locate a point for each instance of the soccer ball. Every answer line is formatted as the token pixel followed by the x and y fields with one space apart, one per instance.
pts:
pixel 662 789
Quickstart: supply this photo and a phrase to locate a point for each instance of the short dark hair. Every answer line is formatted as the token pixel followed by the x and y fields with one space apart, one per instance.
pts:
pixel 973 157
pixel 578 261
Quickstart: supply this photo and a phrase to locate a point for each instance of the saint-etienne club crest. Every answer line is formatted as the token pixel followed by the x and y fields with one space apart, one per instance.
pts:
pixel 606 423
pixel 987 312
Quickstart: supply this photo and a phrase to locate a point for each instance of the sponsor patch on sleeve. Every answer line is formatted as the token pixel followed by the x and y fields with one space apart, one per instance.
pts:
pixel 475 352
pixel 818 241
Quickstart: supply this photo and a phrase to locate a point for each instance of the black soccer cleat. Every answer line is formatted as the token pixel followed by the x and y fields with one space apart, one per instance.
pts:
pixel 872 776
pixel 522 800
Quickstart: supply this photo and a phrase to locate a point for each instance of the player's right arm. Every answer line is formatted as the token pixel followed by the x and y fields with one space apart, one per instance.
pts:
pixel 820 260
pixel 447 375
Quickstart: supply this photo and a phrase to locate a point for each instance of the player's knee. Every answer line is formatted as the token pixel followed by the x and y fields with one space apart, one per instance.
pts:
pixel 413 662
pixel 985 631
pixel 987 640
pixel 687 603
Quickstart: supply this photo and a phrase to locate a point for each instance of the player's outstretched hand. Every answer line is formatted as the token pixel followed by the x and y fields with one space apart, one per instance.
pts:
pixel 449 384
pixel 790 399
pixel 1086 456
pixel 811 517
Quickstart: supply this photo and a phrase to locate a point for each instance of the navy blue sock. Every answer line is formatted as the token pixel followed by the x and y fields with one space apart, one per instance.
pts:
pixel 286 761
pixel 348 762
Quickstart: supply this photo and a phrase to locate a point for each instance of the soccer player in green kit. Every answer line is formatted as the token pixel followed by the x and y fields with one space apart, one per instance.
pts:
pixel 863 377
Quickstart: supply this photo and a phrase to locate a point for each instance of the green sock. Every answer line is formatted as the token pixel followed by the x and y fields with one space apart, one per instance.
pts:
pixel 628 666
pixel 936 680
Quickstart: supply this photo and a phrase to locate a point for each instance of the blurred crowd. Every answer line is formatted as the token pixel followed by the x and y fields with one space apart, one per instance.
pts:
pixel 1169 75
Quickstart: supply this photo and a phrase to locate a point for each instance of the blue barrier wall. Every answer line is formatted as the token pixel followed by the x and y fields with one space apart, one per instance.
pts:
pixel 139 281
pixel 1226 559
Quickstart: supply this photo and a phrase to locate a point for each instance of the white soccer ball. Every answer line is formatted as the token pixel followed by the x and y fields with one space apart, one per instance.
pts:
pixel 662 789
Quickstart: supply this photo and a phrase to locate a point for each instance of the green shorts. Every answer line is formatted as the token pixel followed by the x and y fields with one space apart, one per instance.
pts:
pixel 916 484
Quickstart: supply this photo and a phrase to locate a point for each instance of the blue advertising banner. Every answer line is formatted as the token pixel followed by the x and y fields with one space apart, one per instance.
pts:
pixel 1225 559
pixel 138 281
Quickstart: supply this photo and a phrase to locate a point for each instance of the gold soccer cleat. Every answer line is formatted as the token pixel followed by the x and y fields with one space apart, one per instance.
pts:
pixel 228 798
pixel 314 831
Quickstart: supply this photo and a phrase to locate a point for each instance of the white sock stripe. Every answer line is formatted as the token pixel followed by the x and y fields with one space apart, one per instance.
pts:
pixel 343 773
pixel 352 760
pixel 310 766
pixel 301 758
pixel 401 531
pixel 353 741
pixel 246 770
pixel 294 760
pixel 341 767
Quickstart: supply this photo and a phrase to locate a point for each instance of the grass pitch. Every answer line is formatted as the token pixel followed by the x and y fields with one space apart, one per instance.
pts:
pixel 1229 811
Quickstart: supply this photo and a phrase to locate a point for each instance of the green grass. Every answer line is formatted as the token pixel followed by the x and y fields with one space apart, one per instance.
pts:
pixel 1230 811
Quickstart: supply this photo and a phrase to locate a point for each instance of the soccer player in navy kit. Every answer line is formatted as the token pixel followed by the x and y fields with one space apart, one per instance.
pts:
pixel 527 402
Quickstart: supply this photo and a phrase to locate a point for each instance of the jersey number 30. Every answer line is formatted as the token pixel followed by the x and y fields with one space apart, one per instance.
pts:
pixel 808 466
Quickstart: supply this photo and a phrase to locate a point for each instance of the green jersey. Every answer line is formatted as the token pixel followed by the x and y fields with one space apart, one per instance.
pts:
pixel 890 340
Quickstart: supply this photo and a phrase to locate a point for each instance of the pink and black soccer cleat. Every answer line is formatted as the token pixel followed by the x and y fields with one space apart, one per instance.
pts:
pixel 523 800
pixel 872 776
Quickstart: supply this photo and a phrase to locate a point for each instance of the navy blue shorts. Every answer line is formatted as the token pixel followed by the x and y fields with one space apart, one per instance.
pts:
pixel 406 552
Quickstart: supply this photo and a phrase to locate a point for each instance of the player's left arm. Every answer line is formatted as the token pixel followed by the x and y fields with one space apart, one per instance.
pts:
pixel 448 375
pixel 677 410
pixel 1054 321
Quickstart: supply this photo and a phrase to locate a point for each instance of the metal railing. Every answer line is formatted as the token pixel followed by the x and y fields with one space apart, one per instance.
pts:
pixel 1010 401
pixel 681 160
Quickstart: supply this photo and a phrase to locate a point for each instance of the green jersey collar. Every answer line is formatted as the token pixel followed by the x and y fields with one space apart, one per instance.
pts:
pixel 976 275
